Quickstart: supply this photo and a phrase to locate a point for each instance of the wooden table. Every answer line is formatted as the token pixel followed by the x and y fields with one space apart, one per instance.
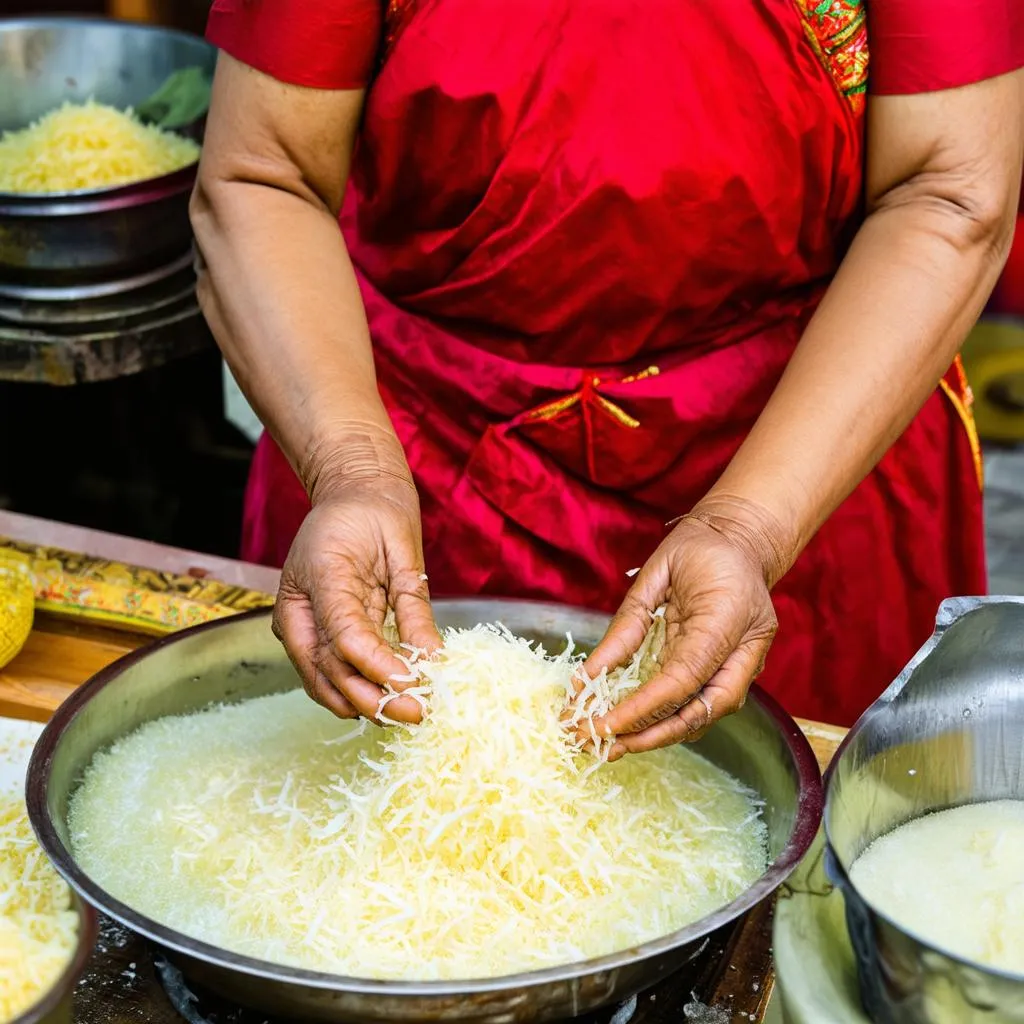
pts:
pixel 95 608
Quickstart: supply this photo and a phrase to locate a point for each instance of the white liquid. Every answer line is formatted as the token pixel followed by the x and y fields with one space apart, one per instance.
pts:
pixel 955 879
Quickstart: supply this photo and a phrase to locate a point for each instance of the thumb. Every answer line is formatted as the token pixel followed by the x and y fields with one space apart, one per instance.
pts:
pixel 627 631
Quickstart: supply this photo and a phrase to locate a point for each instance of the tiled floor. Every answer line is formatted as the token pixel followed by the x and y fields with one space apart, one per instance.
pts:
pixel 1004 515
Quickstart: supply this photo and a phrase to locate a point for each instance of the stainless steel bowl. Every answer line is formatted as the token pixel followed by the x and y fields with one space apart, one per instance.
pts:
pixel 55 1007
pixel 948 732
pixel 238 658
pixel 59 239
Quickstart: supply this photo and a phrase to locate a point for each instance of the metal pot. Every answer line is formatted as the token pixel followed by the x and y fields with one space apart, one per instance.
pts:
pixel 239 657
pixel 60 239
pixel 55 1006
pixel 948 732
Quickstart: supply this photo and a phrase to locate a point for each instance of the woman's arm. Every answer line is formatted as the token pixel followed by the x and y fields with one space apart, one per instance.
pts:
pixel 943 180
pixel 279 292
pixel 277 286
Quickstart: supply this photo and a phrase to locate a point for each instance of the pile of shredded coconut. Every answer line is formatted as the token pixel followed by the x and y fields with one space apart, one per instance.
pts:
pixel 481 842
pixel 38 928
pixel 88 145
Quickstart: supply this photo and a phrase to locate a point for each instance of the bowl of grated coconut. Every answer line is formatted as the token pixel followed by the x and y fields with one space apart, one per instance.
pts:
pixel 479 866
pixel 46 931
pixel 100 125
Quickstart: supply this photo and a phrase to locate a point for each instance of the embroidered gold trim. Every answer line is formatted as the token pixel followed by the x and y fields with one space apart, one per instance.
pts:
pixel 616 412
pixel 837 31
pixel 962 404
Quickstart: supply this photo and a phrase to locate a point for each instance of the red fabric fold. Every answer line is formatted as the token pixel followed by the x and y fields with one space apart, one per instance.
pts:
pixel 320 44
pixel 928 45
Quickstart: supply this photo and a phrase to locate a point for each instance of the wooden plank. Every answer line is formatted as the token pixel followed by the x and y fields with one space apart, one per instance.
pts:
pixel 135 10
pixel 57 659
pixel 824 739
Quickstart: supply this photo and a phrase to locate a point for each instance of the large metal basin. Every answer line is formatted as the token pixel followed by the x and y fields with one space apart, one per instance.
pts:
pixel 239 657
pixel 948 732
pixel 61 239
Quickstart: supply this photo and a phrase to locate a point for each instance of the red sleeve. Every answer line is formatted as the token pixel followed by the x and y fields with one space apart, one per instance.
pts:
pixel 323 44
pixel 928 45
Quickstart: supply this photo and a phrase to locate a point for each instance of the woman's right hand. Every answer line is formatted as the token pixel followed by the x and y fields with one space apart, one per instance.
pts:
pixel 358 552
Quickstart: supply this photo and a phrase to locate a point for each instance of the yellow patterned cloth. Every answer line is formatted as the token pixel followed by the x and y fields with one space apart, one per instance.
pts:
pixel 142 600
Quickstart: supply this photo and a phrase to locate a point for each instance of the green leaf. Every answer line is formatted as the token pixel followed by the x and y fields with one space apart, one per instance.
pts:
pixel 183 99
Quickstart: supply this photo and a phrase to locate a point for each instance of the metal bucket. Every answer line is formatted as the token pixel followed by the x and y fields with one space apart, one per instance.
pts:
pixel 237 658
pixel 62 239
pixel 948 732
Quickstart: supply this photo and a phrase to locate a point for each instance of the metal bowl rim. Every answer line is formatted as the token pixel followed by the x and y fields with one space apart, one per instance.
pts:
pixel 846 882
pixel 107 197
pixel 88 933
pixel 807 819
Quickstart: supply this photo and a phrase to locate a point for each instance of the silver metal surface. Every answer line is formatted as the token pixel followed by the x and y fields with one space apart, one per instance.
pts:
pixel 72 295
pixel 85 237
pixel 948 732
pixel 238 658
pixel 55 1006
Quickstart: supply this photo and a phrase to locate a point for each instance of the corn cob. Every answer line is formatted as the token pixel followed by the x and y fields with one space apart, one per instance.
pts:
pixel 17 606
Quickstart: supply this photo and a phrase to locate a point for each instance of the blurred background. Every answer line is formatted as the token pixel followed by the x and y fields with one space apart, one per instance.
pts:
pixel 120 417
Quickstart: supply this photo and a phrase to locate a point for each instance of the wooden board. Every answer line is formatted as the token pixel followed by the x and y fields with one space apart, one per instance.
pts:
pixel 58 658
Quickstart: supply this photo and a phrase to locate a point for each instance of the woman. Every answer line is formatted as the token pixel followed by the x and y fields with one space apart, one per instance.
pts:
pixel 618 263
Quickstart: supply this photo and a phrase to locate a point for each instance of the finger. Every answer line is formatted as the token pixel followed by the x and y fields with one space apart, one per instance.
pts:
pixel 328 697
pixel 625 634
pixel 410 598
pixel 355 639
pixel 699 649
pixel 294 626
pixel 364 695
pixel 723 695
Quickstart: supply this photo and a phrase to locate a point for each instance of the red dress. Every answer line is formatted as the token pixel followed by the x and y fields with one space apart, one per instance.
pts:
pixel 589 236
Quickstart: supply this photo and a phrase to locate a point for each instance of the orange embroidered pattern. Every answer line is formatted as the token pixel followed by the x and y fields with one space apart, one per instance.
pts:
pixel 838 32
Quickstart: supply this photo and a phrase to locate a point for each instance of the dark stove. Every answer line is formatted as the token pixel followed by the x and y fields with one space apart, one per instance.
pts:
pixel 132 439
pixel 128 982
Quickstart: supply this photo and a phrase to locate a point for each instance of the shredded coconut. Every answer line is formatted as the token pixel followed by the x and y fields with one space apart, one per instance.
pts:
pixel 481 842
pixel 38 928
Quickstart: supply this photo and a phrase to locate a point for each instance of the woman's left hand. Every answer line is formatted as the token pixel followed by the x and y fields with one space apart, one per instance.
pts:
pixel 712 574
